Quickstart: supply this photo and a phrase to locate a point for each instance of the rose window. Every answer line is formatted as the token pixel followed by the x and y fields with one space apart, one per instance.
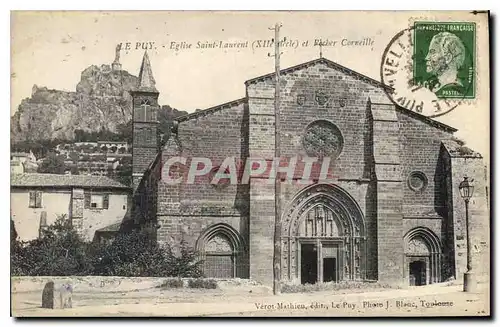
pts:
pixel 323 139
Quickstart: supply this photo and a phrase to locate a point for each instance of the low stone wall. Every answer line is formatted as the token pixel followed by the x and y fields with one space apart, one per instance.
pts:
pixel 106 283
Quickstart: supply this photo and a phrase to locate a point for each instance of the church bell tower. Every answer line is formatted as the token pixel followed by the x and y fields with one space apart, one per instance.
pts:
pixel 145 143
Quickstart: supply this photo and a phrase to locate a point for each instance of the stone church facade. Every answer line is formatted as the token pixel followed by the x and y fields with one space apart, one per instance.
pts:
pixel 392 211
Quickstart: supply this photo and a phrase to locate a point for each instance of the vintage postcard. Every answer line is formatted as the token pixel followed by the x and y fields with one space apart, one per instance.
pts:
pixel 250 164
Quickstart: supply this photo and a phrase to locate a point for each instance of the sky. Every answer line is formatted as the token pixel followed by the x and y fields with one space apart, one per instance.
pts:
pixel 52 49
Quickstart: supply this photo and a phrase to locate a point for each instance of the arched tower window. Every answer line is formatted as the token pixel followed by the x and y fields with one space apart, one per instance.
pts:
pixel 145 111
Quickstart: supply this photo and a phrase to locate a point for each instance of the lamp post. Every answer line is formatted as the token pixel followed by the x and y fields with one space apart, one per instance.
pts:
pixel 466 190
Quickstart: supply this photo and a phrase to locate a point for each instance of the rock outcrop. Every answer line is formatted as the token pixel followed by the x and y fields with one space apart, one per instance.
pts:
pixel 101 102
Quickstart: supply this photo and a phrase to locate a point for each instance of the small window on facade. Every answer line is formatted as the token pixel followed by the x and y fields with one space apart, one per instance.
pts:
pixel 417 181
pixel 35 199
pixel 96 200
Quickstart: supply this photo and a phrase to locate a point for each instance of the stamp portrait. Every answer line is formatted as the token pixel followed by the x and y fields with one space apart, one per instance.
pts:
pixel 444 56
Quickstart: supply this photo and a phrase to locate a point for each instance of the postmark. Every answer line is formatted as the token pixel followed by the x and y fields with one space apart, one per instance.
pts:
pixel 416 74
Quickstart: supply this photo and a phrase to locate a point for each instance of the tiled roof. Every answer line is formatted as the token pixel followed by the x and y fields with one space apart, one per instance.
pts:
pixel 459 150
pixel 427 120
pixel 19 154
pixel 210 110
pixel 54 180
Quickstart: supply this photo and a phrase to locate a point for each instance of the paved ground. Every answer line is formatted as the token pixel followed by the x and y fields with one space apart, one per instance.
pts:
pixel 437 299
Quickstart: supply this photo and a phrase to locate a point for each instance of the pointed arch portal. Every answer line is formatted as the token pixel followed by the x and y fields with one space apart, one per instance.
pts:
pixel 422 257
pixel 221 249
pixel 323 236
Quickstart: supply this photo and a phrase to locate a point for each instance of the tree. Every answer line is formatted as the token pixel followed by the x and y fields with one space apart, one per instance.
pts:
pixel 74 156
pixel 124 173
pixel 59 252
pixel 81 135
pixel 13 232
pixel 125 131
pixel 52 164
pixel 74 170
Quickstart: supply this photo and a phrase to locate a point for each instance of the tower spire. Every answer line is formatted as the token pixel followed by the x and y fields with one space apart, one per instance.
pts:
pixel 146 79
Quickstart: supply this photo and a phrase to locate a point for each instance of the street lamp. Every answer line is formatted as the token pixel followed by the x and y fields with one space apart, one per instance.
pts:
pixel 466 190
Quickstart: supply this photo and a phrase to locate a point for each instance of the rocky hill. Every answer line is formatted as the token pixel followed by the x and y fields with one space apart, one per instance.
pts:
pixel 101 102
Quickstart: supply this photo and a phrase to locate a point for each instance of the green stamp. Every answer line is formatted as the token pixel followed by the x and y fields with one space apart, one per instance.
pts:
pixel 444 58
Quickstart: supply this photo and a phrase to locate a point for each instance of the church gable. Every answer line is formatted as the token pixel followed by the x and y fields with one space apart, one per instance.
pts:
pixel 324 62
pixel 331 73
pixel 325 97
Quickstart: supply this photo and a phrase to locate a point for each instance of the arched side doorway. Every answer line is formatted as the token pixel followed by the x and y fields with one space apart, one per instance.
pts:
pixel 221 249
pixel 422 261
pixel 323 236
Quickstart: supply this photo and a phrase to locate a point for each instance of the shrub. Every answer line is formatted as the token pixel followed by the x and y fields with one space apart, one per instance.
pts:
pixel 202 283
pixel 135 254
pixel 52 164
pixel 172 283
pixel 61 252
pixel 185 265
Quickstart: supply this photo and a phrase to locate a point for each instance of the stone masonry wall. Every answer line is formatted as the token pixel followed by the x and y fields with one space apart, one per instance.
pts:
pixel 184 210
pixel 420 145
pixel 76 210
pixel 262 194
pixel 389 193
pixel 346 107
pixel 145 140
pixel 143 154
pixel 420 151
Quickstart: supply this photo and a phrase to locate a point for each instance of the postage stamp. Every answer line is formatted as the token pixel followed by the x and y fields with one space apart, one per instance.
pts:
pixel 444 57
pixel 431 71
